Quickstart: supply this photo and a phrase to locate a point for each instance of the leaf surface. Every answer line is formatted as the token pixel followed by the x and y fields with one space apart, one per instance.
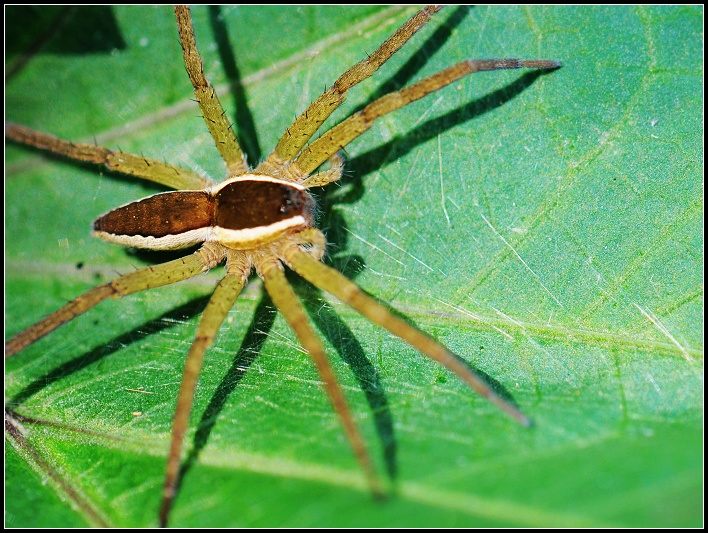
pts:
pixel 547 228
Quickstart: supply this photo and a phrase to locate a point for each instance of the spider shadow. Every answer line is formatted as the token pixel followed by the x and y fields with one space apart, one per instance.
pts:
pixel 344 343
pixel 421 56
pixel 335 227
pixel 253 341
pixel 162 323
pixel 400 145
pixel 85 30
pixel 350 350
pixel 244 123
pixel 62 30
pixel 339 336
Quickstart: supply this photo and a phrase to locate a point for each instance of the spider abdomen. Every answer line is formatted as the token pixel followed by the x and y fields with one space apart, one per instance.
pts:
pixel 239 213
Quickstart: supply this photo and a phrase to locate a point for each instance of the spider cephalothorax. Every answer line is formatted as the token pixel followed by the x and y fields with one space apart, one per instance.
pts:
pixel 256 218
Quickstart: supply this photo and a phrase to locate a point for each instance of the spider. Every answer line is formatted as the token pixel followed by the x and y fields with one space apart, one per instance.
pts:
pixel 260 219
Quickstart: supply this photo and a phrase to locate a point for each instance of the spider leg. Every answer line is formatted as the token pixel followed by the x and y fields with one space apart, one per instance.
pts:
pixel 285 299
pixel 214 314
pixel 332 174
pixel 300 131
pixel 214 115
pixel 146 278
pixel 330 280
pixel 346 131
pixel 130 164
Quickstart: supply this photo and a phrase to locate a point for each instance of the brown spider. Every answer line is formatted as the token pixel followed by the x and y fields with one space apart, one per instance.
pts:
pixel 256 218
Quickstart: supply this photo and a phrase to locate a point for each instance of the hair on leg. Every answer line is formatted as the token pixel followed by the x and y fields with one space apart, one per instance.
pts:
pixel 285 299
pixel 214 114
pixel 222 300
pixel 305 125
pixel 330 280
pixel 146 278
pixel 130 164
pixel 349 129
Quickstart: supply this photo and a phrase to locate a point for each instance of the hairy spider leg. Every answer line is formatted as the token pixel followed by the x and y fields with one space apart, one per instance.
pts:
pixel 130 164
pixel 221 301
pixel 330 280
pixel 285 299
pixel 214 115
pixel 349 129
pixel 146 278
pixel 305 125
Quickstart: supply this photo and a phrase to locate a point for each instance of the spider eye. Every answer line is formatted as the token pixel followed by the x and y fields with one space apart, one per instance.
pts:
pixel 291 202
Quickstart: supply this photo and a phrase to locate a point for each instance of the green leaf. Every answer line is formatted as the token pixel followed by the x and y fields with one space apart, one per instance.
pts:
pixel 547 228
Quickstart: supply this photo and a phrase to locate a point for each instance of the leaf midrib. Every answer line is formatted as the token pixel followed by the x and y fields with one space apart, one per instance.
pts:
pixel 475 506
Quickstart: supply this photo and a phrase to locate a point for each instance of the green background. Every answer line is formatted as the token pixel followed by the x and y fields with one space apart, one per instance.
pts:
pixel 547 228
